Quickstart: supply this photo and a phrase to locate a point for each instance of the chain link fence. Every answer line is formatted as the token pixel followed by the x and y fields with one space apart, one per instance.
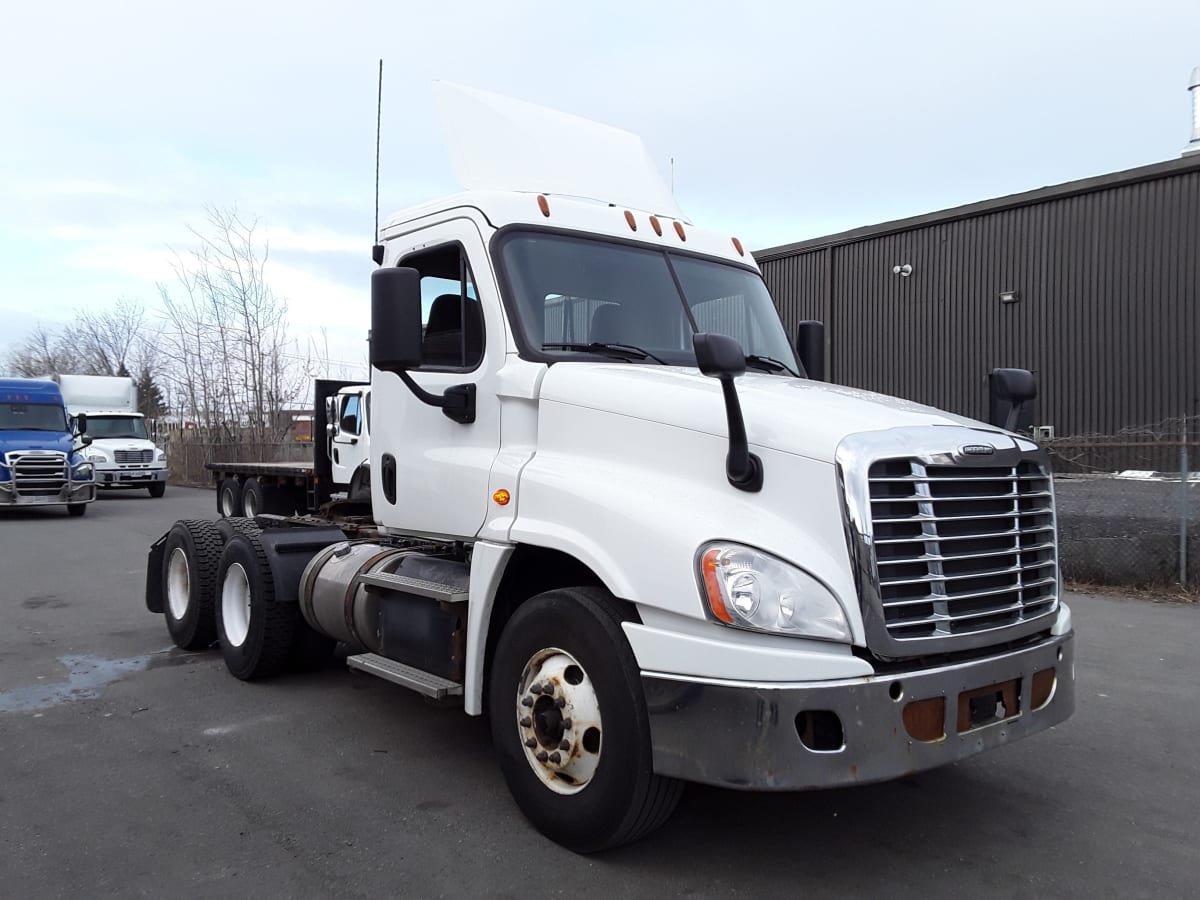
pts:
pixel 188 454
pixel 1129 505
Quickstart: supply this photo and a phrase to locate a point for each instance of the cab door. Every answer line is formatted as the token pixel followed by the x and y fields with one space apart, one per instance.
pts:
pixel 348 445
pixel 430 473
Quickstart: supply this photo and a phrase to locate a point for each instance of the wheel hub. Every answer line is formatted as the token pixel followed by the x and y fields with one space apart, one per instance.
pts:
pixel 179 584
pixel 558 721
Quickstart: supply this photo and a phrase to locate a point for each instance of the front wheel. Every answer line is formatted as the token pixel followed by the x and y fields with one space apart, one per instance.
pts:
pixel 76 509
pixel 569 722
pixel 157 488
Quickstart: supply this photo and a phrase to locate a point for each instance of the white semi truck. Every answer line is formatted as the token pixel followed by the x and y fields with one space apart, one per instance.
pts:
pixel 121 451
pixel 611 514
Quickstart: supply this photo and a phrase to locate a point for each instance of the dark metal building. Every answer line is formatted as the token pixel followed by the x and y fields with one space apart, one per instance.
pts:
pixel 1093 285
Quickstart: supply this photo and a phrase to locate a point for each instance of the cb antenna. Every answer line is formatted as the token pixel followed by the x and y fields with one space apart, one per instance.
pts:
pixel 377 250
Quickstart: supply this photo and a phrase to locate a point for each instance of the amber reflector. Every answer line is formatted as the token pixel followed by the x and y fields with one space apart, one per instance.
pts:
pixel 654 223
pixel 1043 688
pixel 925 720
pixel 679 231
pixel 737 245
pixel 631 220
pixel 502 497
pixel 544 205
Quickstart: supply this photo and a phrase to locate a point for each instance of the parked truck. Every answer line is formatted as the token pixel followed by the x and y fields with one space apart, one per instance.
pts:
pixel 611 513
pixel 122 452
pixel 41 455
pixel 340 471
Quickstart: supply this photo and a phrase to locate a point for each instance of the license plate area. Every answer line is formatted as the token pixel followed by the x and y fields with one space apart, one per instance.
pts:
pixel 985 706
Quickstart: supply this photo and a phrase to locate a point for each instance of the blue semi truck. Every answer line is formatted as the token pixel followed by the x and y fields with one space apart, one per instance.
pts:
pixel 41 460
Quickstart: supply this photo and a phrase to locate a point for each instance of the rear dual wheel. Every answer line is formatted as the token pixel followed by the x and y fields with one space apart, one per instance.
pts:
pixel 190 557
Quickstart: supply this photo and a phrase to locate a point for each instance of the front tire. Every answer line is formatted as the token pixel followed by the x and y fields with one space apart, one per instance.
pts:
pixel 255 629
pixel 76 509
pixel 157 488
pixel 569 723
pixel 190 558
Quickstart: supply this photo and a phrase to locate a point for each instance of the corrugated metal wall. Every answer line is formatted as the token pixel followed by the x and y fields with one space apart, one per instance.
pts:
pixel 1108 282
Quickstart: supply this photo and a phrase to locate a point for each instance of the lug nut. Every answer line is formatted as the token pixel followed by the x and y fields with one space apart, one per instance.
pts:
pixel 527 701
pixel 542 756
pixel 526 721
pixel 548 688
pixel 531 743
pixel 566 723
pixel 560 702
pixel 564 745
pixel 535 688
pixel 555 758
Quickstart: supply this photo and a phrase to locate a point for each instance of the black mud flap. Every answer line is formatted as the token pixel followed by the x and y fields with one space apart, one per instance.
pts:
pixel 154 575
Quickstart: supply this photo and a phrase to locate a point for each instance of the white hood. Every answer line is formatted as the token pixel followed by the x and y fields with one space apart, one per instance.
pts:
pixel 792 415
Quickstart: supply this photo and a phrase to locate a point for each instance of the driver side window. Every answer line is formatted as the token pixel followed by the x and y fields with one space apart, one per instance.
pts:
pixel 451 316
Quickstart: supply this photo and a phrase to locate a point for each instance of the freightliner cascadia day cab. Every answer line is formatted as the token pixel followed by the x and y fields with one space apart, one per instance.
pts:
pixel 121 448
pixel 340 471
pixel 611 514
pixel 41 463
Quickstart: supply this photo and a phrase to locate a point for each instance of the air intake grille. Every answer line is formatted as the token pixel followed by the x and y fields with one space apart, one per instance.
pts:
pixel 38 473
pixel 962 550
pixel 125 457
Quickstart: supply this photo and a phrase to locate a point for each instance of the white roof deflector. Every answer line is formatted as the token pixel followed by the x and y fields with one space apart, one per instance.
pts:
pixel 498 143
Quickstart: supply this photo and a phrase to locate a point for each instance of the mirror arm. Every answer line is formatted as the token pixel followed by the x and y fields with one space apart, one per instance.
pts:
pixel 458 403
pixel 743 469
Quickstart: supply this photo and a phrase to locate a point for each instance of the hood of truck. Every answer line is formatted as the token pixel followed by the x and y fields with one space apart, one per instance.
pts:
pixel 35 440
pixel 792 415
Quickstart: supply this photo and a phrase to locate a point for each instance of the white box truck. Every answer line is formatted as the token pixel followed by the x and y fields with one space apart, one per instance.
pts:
pixel 121 451
pixel 610 513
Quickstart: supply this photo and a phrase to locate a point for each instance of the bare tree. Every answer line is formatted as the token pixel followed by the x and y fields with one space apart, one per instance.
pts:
pixel 233 365
pixel 44 351
pixel 110 341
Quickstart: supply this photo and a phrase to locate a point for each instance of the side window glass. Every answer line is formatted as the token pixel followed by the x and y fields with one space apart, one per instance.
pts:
pixel 451 317
pixel 351 415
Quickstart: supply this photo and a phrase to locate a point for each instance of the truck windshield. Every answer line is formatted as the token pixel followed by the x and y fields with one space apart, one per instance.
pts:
pixel 570 294
pixel 32 417
pixel 116 427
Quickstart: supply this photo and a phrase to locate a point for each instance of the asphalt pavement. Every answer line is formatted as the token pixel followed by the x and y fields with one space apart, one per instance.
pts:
pixel 130 769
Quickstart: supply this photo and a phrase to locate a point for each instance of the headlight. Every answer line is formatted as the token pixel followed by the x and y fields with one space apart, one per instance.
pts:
pixel 747 588
pixel 160 456
pixel 94 455
pixel 82 472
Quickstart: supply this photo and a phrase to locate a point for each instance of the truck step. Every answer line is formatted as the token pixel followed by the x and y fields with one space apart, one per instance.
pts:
pixel 398 673
pixel 445 593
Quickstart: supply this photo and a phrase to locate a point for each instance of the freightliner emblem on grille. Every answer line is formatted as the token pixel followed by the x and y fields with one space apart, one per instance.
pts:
pixel 977 450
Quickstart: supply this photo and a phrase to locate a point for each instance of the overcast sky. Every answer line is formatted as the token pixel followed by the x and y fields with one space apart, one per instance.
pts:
pixel 121 121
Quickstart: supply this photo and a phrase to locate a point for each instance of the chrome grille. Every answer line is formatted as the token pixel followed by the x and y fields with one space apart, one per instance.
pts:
pixel 125 457
pixel 960 550
pixel 38 473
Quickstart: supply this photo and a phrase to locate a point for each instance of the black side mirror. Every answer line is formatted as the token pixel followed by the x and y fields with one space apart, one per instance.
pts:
pixel 810 348
pixel 721 357
pixel 81 423
pixel 395 319
pixel 1010 390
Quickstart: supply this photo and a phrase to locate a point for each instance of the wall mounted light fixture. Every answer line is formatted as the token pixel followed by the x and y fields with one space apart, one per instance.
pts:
pixel 903 270
pixel 1009 296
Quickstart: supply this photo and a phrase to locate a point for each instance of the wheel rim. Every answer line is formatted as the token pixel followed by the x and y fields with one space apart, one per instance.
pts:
pixel 235 604
pixel 179 584
pixel 227 502
pixel 250 504
pixel 558 721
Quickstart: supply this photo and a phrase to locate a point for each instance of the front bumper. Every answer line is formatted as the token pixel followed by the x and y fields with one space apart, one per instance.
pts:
pixel 129 477
pixel 758 736
pixel 84 492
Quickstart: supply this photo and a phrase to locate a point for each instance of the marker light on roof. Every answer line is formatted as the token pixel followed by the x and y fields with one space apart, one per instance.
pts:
pixel 654 223
pixel 679 231
pixel 631 220
pixel 737 245
pixel 544 205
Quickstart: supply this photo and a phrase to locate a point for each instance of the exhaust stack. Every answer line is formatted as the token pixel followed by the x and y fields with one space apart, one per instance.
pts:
pixel 1194 87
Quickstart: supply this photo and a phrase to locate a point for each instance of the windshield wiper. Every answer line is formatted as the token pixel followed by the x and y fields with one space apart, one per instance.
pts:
pixel 770 364
pixel 620 351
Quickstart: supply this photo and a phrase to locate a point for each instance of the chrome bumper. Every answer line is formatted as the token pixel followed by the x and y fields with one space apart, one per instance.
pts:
pixel 749 736
pixel 71 493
